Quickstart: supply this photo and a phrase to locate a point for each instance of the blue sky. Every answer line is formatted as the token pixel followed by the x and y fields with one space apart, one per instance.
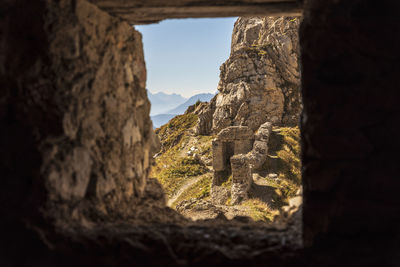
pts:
pixel 184 55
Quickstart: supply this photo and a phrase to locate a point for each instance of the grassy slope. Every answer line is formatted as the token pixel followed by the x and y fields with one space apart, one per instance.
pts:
pixel 200 190
pixel 171 133
pixel 283 160
pixel 174 167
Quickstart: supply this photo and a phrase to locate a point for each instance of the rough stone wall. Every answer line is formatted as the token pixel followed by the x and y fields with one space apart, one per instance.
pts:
pixel 350 126
pixel 230 141
pixel 258 155
pixel 241 178
pixel 150 11
pixel 260 81
pixel 74 115
pixel 259 86
pixel 204 122
pixel 238 151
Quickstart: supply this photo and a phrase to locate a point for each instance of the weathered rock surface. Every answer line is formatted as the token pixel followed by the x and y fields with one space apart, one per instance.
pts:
pixel 349 50
pixel 238 151
pixel 260 80
pixel 241 178
pixel 259 153
pixel 198 209
pixel 231 141
pixel 84 113
pixel 150 11
pixel 259 87
pixel 204 122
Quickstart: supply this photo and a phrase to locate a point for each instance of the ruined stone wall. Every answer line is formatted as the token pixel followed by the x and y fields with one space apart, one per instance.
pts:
pixel 259 87
pixel 75 128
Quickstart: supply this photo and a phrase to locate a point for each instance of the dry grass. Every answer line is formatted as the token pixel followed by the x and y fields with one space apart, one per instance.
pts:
pixel 173 167
pixel 174 175
pixel 259 210
pixel 200 190
pixel 290 154
pixel 171 133
pixel 284 160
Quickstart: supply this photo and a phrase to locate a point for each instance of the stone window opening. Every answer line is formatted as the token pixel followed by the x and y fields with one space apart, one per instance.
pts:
pixel 96 171
pixel 240 139
pixel 76 139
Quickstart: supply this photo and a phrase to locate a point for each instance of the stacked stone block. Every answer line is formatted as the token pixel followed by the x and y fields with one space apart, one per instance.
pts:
pixel 237 151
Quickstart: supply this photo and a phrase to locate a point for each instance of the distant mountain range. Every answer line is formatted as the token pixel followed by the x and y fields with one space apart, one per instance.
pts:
pixel 191 101
pixel 160 101
pixel 161 119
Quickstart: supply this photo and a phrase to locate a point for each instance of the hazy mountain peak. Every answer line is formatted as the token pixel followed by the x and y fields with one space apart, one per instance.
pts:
pixel 162 102
pixel 204 97
pixel 178 109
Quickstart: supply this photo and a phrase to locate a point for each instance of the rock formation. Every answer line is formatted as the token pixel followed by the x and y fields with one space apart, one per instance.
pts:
pixel 258 154
pixel 205 120
pixel 259 87
pixel 260 81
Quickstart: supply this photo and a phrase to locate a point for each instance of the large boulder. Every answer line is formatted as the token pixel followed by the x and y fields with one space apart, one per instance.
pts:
pixel 260 81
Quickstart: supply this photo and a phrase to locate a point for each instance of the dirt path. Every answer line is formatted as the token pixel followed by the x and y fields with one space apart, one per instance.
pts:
pixel 183 188
pixel 206 210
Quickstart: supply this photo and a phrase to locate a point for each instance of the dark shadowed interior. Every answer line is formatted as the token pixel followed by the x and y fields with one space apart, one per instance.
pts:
pixel 76 139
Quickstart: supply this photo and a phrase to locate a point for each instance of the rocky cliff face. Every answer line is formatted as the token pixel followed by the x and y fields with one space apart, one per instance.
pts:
pixel 259 97
pixel 259 88
pixel 260 81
